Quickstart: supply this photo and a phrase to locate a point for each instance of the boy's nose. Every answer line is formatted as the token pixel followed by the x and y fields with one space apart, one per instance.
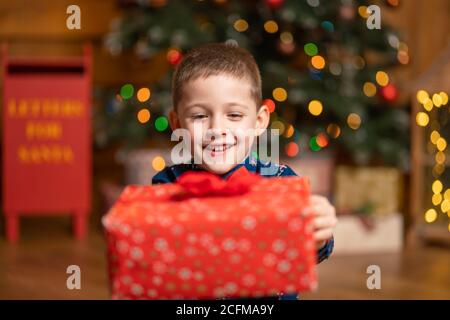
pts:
pixel 217 125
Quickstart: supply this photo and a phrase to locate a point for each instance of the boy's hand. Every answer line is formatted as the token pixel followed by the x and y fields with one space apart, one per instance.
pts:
pixel 324 218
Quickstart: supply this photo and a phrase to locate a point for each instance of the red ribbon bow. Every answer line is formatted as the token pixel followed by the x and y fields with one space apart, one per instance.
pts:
pixel 201 184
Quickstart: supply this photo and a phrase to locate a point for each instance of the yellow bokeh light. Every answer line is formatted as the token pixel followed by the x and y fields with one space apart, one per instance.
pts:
pixel 279 94
pixel 422 119
pixel 434 136
pixel 445 206
pixel 430 215
pixel 440 157
pixel 447 194
pixel 158 163
pixel 289 131
pixel 441 144
pixel 143 115
pixel 315 107
pixel 444 98
pixel 436 199
pixel 334 130
pixel 318 62
pixel 382 78
pixel 369 89
pixel 428 104
pixel 363 12
pixel 271 26
pixel 437 186
pixel 437 100
pixel 143 94
pixel 278 125
pixel 422 95
pixel 354 121
pixel 240 25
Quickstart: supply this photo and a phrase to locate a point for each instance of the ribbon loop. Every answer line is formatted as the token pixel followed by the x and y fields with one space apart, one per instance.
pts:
pixel 201 184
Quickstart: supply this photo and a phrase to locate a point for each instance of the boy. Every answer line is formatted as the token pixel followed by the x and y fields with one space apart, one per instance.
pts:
pixel 216 89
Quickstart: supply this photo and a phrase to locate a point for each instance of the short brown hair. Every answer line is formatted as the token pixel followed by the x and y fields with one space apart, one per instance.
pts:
pixel 216 59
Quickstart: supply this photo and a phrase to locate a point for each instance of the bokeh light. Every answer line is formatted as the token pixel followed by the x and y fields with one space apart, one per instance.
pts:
pixel 161 123
pixel 441 144
pixel 240 25
pixel 127 91
pixel 422 119
pixel 333 130
pixel 270 104
pixel 289 132
pixel 143 116
pixel 311 49
pixel 315 107
pixel 437 186
pixel 437 100
pixel 313 144
pixel 291 149
pixel 354 121
pixel 271 26
pixel 430 215
pixel 382 78
pixel 143 94
pixel 279 94
pixel 278 125
pixel 318 62
pixel 322 140
pixel 158 163
pixel 369 89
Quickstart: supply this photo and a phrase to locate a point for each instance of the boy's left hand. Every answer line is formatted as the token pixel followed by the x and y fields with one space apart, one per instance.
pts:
pixel 324 218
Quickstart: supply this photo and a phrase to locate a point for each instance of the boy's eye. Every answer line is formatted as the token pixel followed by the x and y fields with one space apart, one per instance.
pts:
pixel 235 116
pixel 199 116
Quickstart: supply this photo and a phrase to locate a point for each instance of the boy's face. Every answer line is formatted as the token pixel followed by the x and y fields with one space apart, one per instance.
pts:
pixel 225 117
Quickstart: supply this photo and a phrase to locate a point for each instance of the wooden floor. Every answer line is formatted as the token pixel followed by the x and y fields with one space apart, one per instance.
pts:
pixel 35 268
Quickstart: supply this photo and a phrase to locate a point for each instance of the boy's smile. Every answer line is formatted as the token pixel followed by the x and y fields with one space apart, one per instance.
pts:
pixel 222 118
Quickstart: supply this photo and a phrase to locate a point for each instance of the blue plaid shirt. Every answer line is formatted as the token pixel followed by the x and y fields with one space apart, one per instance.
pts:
pixel 265 169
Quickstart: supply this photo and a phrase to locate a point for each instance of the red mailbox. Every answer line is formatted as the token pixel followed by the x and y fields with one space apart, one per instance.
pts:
pixel 46 139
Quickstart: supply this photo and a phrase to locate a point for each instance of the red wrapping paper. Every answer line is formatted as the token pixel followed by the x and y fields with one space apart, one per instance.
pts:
pixel 206 238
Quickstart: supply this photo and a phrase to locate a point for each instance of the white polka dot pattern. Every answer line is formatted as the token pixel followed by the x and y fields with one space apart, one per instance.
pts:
pixel 248 245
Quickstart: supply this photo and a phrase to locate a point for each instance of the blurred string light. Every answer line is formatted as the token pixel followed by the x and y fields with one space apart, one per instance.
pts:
pixel 354 121
pixel 240 25
pixel 311 49
pixel 278 125
pixel 318 62
pixel 289 132
pixel 158 163
pixel 291 149
pixel 286 37
pixel 369 89
pixel 363 12
pixel 279 94
pixel 271 26
pixel 333 130
pixel 438 143
pixel 143 94
pixel 161 123
pixel 270 104
pixel 143 116
pixel 174 56
pixel 315 107
pixel 127 91
pixel 327 25
pixel 382 78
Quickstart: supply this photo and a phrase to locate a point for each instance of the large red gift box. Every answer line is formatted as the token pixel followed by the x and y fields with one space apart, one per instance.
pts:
pixel 205 238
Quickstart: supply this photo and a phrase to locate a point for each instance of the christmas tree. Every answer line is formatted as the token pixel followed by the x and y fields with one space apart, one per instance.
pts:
pixel 325 73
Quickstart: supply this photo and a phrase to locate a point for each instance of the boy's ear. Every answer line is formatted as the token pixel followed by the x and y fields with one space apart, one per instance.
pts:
pixel 262 119
pixel 173 120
